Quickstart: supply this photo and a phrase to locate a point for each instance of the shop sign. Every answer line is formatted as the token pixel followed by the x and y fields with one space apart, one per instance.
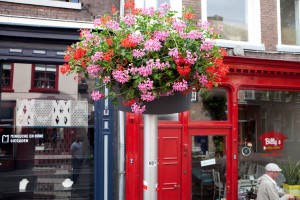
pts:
pixel 22 138
pixel 272 140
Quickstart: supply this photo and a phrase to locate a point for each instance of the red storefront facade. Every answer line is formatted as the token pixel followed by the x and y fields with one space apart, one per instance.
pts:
pixel 256 90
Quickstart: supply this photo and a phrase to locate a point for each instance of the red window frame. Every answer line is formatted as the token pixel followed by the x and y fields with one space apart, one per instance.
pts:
pixel 7 86
pixel 43 81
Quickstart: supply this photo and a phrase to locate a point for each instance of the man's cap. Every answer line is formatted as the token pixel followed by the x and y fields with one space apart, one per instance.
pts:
pixel 272 167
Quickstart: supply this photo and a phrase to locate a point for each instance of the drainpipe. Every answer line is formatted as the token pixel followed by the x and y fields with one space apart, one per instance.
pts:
pixel 121 135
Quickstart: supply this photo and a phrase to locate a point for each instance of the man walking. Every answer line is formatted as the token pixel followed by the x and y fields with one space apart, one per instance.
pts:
pixel 267 185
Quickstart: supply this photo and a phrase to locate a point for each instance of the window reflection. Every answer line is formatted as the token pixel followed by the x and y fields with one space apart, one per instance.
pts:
pixel 232 15
pixel 209 106
pixel 208 167
pixel 268 124
pixel 290 22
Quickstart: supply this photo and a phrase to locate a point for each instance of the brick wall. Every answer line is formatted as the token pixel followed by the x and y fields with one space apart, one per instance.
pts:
pixel 269 24
pixel 90 10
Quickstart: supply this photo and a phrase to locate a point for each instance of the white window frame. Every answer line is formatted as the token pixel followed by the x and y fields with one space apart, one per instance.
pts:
pixel 284 47
pixel 254 27
pixel 49 3
pixel 176 5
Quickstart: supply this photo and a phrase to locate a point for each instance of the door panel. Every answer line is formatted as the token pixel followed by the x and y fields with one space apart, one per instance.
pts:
pixel 169 168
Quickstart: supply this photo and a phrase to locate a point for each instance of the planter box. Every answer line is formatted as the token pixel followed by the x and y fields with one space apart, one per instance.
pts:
pixel 291 189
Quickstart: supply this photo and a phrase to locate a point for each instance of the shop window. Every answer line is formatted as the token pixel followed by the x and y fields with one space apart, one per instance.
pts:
pixel 44 78
pixel 268 131
pixel 240 21
pixel 209 106
pixel 290 22
pixel 7 77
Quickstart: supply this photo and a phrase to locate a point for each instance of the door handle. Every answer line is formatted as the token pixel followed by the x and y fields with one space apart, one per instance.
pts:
pixel 177 186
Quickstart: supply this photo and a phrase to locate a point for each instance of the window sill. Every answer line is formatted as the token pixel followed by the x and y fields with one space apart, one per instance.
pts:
pixel 44 90
pixel 288 48
pixel 244 45
pixel 7 90
pixel 49 3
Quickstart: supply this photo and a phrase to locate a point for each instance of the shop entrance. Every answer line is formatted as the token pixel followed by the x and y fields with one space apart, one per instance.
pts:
pixel 208 164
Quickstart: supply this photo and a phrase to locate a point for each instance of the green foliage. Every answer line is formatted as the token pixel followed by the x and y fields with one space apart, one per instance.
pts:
pixel 291 171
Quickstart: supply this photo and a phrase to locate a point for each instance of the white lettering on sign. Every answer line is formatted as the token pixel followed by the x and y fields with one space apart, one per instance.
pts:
pixel 22 138
pixel 152 163
pixel 208 162
pixel 272 141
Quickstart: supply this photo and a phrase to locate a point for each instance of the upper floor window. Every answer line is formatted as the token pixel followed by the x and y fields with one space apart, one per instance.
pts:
pixel 7 77
pixel 44 77
pixel 240 21
pixel 70 4
pixel 290 22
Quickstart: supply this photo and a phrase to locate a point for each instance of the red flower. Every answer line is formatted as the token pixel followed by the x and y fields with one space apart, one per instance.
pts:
pixel 113 9
pixel 65 68
pixel 188 15
pixel 67 57
pixel 79 53
pixel 109 41
pixel 129 103
pixel 183 70
pixel 210 70
pixel 128 42
pixel 129 5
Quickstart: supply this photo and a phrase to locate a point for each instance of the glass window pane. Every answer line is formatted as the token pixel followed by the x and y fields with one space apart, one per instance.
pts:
pixel 268 129
pixel 232 15
pixel 211 106
pixel 168 117
pixel 290 22
pixel 208 166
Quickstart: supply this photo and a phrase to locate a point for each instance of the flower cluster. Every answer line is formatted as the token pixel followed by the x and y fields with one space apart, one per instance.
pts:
pixel 148 54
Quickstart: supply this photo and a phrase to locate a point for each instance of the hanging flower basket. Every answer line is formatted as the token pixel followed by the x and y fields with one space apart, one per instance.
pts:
pixel 148 55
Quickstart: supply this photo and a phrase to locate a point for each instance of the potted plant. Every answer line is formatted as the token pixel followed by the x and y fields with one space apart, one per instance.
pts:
pixel 147 55
pixel 291 172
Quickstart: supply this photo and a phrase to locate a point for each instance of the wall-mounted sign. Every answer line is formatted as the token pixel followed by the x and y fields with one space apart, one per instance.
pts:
pixel 272 140
pixel 22 138
pixel 45 113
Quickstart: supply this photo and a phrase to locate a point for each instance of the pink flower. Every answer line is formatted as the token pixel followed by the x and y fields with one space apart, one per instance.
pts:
pixel 138 109
pixel 152 45
pixel 112 25
pixel 129 19
pixel 180 86
pixel 161 35
pixel 106 79
pixel 96 95
pixel 148 96
pixel 93 69
pixel 138 53
pixel 165 7
pixel 174 53
pixel 207 45
pixel 202 79
pixel 97 56
pixel 121 76
pixel 146 85
pixel 179 25
pixel 148 11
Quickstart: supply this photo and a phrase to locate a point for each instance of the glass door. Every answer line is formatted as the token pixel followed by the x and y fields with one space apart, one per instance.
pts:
pixel 208 166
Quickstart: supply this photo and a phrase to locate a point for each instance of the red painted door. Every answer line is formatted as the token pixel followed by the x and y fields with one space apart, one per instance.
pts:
pixel 169 167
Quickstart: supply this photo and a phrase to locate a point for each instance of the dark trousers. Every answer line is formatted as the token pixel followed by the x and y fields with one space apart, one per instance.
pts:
pixel 76 165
